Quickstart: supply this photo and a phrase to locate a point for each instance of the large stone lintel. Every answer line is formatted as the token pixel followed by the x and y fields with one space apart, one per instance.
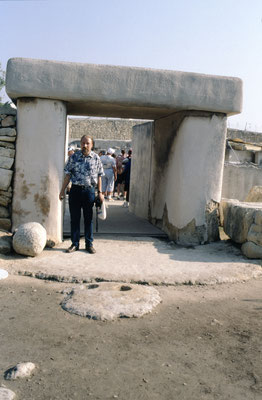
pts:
pixel 128 92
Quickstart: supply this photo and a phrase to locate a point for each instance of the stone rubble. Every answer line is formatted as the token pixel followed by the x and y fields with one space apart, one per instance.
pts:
pixel 20 370
pixel 29 239
pixel 7 157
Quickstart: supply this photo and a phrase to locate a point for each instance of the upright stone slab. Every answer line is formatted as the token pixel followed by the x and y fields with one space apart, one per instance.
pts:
pixel 141 169
pixel 39 164
pixel 187 168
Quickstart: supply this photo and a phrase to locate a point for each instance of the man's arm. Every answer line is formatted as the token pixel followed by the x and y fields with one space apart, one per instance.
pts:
pixel 99 188
pixel 64 186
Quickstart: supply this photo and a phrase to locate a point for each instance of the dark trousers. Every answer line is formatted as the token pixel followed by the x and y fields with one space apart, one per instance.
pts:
pixel 81 198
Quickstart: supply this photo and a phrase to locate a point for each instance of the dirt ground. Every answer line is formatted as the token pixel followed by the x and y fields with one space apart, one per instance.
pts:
pixel 201 342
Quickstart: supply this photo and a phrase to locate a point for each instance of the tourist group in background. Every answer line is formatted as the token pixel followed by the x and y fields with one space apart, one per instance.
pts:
pixel 116 178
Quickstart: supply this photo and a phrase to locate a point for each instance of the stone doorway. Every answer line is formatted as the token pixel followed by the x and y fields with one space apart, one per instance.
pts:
pixel 189 112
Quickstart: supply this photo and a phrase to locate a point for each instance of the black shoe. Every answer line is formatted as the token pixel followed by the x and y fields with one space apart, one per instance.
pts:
pixel 72 248
pixel 90 249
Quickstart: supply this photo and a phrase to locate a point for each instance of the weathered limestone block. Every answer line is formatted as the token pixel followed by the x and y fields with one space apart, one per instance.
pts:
pixel 7 193
pixel 5 242
pixel 255 194
pixel 7 152
pixel 29 239
pixel 5 178
pixel 258 217
pixel 182 196
pixel 255 234
pixel 10 120
pixel 36 193
pixel 8 138
pixel 7 132
pixel 4 213
pixel 251 250
pixel 238 218
pixel 5 197
pixel 7 144
pixel 127 92
pixel 6 162
pixel 4 201
pixel 5 224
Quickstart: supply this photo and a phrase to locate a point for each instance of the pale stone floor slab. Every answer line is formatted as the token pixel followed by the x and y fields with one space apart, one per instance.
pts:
pixel 109 300
pixel 138 260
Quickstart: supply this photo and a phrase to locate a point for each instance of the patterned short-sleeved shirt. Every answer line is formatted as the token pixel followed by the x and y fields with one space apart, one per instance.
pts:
pixel 84 170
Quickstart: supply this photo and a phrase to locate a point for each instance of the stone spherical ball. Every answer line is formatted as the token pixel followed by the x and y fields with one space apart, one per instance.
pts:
pixel 29 239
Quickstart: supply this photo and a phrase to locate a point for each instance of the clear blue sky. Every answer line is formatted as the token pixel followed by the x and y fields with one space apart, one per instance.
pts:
pixel 220 37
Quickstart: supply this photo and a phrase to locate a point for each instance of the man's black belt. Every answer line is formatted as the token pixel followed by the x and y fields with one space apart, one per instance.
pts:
pixel 82 186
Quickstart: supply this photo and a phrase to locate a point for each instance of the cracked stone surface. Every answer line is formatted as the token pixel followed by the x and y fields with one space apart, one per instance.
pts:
pixel 108 301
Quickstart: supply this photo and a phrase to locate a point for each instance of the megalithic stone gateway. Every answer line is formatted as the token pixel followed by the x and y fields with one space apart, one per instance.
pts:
pixel 179 103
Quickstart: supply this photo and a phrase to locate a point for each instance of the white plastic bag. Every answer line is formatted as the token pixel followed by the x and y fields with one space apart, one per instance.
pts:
pixel 101 211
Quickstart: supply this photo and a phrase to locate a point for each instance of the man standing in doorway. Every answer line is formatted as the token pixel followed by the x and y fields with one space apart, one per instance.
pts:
pixel 84 169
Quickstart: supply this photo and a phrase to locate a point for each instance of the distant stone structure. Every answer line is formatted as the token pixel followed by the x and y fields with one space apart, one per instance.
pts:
pixel 243 163
pixel 106 132
pixel 102 128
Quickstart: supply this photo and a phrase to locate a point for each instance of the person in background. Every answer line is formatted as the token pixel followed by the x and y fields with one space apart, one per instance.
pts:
pixel 70 151
pixel 126 176
pixel 119 169
pixel 109 177
pixel 85 170
pixel 101 153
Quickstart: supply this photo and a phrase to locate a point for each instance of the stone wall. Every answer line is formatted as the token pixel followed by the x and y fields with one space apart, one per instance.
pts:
pixel 243 163
pixel 7 156
pixel 239 178
pixel 120 129
pixel 246 136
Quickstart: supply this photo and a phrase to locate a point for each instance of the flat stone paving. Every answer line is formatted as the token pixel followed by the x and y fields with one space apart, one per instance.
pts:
pixel 130 250
pixel 138 260
pixel 118 221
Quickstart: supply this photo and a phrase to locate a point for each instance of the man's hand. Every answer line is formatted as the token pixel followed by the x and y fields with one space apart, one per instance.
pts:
pixel 101 197
pixel 64 186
